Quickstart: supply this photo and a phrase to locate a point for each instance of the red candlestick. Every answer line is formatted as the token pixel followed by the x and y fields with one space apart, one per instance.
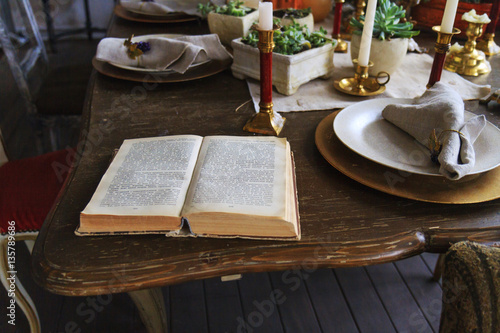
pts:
pixel 266 77
pixel 337 19
pixel 266 46
pixel 442 46
pixel 437 68
pixel 266 121
pixel 495 12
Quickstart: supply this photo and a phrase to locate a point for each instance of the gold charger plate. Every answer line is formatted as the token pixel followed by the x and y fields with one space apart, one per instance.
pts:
pixel 171 18
pixel 197 72
pixel 470 189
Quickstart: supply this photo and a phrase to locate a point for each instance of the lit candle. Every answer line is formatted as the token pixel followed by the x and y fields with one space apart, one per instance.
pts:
pixel 366 37
pixel 450 11
pixel 266 16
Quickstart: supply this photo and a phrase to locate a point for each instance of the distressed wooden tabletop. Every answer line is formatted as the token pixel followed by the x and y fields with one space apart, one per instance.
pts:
pixel 344 223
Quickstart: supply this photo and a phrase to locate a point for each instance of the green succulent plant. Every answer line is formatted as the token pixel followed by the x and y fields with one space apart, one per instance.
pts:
pixel 292 12
pixel 388 22
pixel 233 8
pixel 292 39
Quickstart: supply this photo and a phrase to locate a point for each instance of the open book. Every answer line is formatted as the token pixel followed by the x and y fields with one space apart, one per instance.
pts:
pixel 217 186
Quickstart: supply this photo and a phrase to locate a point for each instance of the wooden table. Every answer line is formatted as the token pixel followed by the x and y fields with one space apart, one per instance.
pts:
pixel 343 222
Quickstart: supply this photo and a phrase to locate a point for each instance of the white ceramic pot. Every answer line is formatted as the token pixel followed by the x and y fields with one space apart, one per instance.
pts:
pixel 251 3
pixel 307 21
pixel 386 55
pixel 289 71
pixel 230 27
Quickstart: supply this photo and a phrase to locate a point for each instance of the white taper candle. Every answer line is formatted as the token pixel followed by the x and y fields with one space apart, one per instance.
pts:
pixel 450 11
pixel 366 37
pixel 266 16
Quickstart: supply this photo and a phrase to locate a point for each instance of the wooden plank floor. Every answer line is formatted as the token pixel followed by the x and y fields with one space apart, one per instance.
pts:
pixel 393 297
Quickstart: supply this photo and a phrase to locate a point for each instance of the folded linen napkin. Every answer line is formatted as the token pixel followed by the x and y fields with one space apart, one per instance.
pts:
pixel 177 54
pixel 158 7
pixel 441 109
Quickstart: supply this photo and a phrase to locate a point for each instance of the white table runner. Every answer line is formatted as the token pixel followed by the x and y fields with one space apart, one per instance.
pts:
pixel 408 81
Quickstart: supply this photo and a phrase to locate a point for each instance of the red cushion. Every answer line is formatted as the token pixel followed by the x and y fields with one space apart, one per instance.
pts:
pixel 29 187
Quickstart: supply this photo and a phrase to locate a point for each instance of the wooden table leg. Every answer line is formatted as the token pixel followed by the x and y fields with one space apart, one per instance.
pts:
pixel 151 308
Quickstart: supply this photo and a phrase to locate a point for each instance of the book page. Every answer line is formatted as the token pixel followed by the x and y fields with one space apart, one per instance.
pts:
pixel 243 175
pixel 148 176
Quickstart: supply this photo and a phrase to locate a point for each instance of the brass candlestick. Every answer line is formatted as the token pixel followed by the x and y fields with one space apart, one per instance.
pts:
pixel 337 20
pixel 361 84
pixel 442 46
pixel 360 10
pixel 468 60
pixel 266 121
pixel 488 45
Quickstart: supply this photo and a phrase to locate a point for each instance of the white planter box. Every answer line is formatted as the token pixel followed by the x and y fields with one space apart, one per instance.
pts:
pixel 230 27
pixel 289 72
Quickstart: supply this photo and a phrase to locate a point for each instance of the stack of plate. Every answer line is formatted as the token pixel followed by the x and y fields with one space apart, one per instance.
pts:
pixel 369 149
pixel 138 16
pixel 131 73
pixel 137 39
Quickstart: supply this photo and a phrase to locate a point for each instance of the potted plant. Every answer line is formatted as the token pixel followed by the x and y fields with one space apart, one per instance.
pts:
pixel 390 37
pixel 429 13
pixel 298 57
pixel 291 15
pixel 319 8
pixel 229 21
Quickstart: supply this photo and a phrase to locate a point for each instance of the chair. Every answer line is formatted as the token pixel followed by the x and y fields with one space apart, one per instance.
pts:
pixel 53 36
pixel 28 61
pixel 471 289
pixel 25 56
pixel 28 191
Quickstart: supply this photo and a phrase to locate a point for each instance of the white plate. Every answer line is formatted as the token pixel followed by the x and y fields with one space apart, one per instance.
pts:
pixel 137 39
pixel 362 128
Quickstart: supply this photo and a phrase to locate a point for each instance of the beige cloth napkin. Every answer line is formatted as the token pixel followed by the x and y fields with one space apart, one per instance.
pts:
pixel 409 81
pixel 159 7
pixel 166 53
pixel 441 109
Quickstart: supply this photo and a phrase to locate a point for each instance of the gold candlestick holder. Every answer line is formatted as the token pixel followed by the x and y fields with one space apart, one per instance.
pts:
pixel 442 46
pixel 337 21
pixel 487 45
pixel 468 60
pixel 266 121
pixel 341 44
pixel 361 84
pixel 360 10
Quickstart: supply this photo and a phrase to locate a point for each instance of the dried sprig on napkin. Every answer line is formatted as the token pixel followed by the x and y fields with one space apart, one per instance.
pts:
pixel 435 145
pixel 135 50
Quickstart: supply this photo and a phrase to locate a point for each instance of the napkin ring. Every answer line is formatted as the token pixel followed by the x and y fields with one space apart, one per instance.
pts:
pixel 435 145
